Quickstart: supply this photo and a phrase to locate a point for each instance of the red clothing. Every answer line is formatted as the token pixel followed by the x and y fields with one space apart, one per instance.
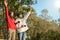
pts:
pixel 10 21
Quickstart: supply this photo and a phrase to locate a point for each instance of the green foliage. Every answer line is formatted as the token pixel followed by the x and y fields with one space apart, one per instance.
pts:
pixel 49 35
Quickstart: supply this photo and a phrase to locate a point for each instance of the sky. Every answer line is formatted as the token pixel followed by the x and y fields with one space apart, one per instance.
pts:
pixel 51 5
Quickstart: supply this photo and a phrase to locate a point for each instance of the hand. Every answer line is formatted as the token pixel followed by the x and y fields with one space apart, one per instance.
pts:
pixel 18 21
pixel 31 9
pixel 5 3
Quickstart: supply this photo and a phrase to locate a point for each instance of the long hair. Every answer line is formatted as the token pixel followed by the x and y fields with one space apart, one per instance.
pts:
pixel 10 12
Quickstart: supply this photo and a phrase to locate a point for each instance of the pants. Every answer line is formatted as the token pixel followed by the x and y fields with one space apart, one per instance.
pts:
pixel 22 36
pixel 12 34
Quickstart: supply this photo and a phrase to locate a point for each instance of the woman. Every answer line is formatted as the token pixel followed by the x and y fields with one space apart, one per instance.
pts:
pixel 22 25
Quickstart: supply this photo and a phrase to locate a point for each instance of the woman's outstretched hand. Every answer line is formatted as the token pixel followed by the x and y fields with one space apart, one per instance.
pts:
pixel 5 3
pixel 31 9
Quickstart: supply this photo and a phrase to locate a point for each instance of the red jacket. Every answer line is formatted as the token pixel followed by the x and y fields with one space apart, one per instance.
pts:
pixel 10 21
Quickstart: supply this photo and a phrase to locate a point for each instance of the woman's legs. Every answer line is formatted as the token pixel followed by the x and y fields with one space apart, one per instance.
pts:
pixel 18 36
pixel 22 36
pixel 12 34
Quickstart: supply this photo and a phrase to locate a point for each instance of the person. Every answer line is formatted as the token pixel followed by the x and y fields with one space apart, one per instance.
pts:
pixel 10 22
pixel 22 25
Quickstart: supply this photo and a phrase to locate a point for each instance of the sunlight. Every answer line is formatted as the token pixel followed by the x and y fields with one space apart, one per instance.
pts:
pixel 57 3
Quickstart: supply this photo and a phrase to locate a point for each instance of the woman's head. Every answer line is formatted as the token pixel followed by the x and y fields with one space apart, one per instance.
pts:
pixel 11 13
pixel 20 15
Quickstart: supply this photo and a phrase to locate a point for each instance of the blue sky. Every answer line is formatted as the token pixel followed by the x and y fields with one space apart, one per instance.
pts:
pixel 50 5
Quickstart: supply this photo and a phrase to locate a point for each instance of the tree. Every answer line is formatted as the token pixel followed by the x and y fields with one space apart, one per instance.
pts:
pixel 44 14
pixel 14 5
pixel 44 11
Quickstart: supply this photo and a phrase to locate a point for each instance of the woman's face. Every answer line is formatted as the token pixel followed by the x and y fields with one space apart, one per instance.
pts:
pixel 12 14
pixel 21 16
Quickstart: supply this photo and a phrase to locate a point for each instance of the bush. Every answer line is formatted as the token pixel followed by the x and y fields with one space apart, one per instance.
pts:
pixel 49 35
